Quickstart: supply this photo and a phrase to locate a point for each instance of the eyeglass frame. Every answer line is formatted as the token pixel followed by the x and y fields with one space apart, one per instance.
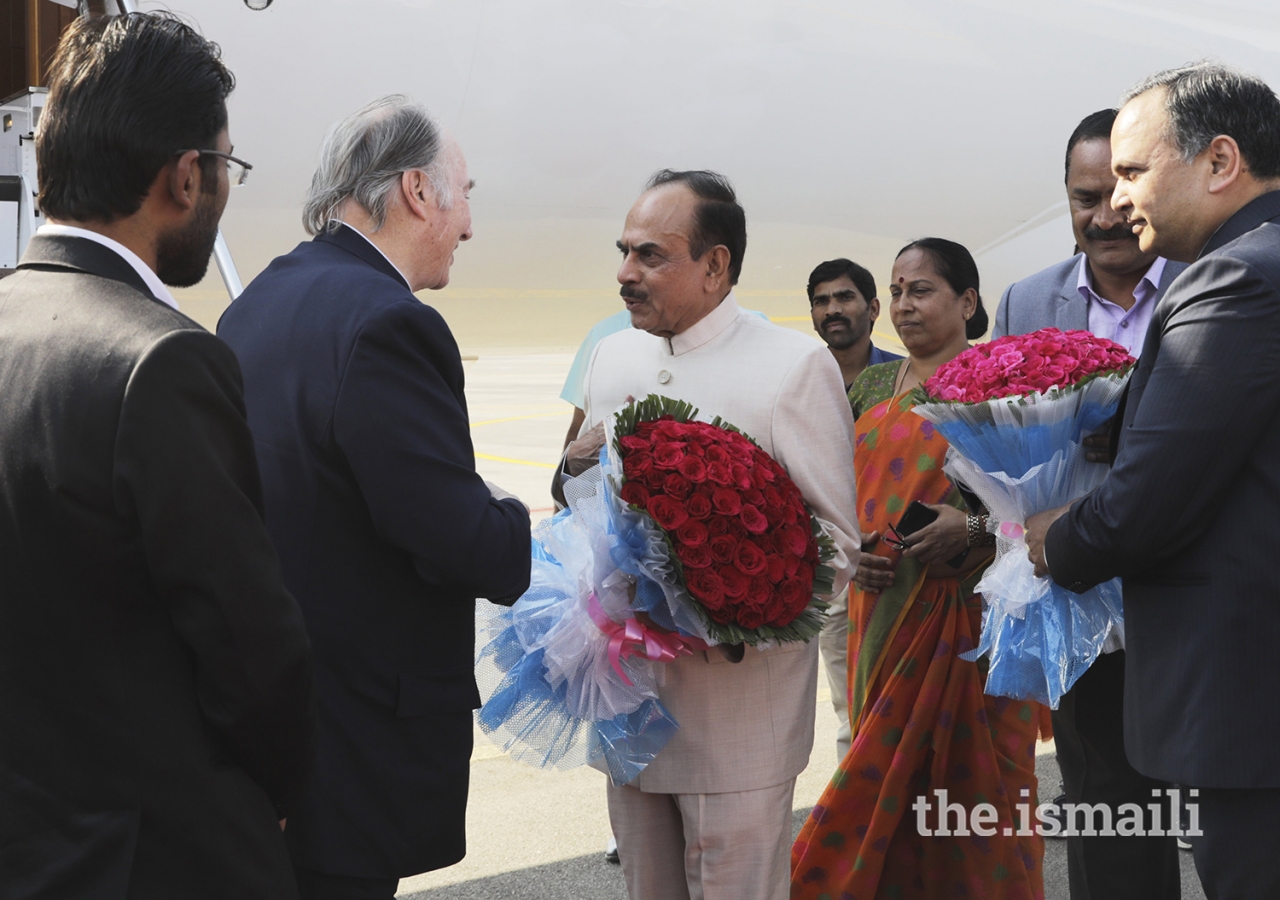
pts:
pixel 244 166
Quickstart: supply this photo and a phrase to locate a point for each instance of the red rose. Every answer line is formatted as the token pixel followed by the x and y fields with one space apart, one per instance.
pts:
pixel 759 592
pixel 717 454
pixel 750 559
pixel 772 501
pixel 677 486
pixel 698 505
pixel 794 596
pixel 705 587
pixel 637 465
pixel 693 468
pixel 791 565
pixel 750 617
pixel 692 534
pixel 718 525
pixel 760 477
pixel 753 520
pixel 741 476
pixel 726 502
pixel 735 583
pixel 668 513
pixel 693 557
pixel 633 442
pixel 776 612
pixel 754 497
pixel 667 455
pixel 795 541
pixel 635 493
pixel 720 473
pixel 723 547
pixel 777 567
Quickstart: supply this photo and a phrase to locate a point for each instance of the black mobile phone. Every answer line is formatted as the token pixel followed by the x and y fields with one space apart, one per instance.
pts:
pixel 917 516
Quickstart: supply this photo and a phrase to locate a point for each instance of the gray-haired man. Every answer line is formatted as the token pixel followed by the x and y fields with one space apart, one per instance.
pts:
pixel 386 533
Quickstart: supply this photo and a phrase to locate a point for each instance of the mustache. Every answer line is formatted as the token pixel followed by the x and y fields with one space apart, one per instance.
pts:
pixel 836 317
pixel 1118 233
pixel 630 292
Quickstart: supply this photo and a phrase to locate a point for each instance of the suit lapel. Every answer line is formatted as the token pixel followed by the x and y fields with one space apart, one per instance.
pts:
pixel 1072 310
pixel 82 255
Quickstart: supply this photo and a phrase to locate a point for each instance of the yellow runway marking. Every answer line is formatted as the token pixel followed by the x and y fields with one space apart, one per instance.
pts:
pixel 518 462
pixel 566 415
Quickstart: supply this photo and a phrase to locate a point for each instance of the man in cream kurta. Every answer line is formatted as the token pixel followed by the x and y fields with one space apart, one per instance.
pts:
pixel 711 816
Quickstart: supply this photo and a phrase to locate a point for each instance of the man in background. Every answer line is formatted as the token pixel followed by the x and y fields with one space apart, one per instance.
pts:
pixel 155 677
pixel 1186 516
pixel 711 815
pixel 844 307
pixel 1111 288
pixel 386 533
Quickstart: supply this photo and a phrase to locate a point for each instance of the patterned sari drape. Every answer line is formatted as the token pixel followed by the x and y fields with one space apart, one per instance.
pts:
pixel 922 722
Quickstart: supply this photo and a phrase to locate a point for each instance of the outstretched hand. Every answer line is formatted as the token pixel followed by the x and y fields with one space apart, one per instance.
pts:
pixel 1037 529
pixel 874 573
pixel 584 453
pixel 945 537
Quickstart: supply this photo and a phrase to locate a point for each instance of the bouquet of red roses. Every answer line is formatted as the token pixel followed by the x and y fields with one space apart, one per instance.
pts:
pixel 744 548
pixel 686 535
pixel 1015 412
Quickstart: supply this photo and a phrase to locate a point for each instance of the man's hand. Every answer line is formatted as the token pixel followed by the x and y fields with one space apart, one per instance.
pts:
pixel 585 451
pixel 874 573
pixel 1097 446
pixel 1037 528
pixel 282 823
pixel 943 538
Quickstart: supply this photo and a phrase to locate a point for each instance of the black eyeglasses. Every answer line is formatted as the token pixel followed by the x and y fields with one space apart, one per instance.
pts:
pixel 237 169
pixel 894 539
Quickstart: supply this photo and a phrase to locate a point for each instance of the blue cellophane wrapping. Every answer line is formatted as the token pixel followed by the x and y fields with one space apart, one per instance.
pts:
pixel 1023 455
pixel 551 696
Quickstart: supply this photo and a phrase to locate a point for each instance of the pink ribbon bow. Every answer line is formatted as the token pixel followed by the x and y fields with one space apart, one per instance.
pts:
pixel 633 638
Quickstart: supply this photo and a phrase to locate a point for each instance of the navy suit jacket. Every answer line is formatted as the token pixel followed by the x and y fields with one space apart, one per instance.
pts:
pixel 1189 518
pixel 1051 299
pixel 386 535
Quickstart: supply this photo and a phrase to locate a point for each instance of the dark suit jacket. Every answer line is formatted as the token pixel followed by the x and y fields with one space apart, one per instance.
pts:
pixel 387 536
pixel 155 681
pixel 1051 299
pixel 1189 517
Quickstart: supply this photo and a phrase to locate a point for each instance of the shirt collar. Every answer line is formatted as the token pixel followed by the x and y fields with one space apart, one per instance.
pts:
pixel 149 278
pixel 374 246
pixel 1147 286
pixel 706 329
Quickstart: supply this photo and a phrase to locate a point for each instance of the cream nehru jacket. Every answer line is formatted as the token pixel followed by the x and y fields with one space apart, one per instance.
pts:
pixel 745 725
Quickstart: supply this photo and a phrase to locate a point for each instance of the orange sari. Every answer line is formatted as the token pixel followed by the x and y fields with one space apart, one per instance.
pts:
pixel 921 720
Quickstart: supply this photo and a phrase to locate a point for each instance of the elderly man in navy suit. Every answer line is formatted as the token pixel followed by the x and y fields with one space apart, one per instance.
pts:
pixel 1187 515
pixel 1111 287
pixel 385 531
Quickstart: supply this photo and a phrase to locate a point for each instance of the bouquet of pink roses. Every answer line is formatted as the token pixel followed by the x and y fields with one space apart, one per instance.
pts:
pixel 1016 411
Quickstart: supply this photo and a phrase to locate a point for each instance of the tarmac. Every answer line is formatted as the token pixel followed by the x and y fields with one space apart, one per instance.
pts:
pixel 536 834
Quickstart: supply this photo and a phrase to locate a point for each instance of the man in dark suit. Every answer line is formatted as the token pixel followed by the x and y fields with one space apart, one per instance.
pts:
pixel 1187 516
pixel 385 531
pixel 1111 288
pixel 155 684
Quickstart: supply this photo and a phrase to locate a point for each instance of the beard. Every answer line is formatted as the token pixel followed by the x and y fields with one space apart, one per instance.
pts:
pixel 182 255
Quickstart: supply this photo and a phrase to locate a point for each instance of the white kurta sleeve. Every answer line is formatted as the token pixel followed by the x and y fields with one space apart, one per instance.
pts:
pixel 812 435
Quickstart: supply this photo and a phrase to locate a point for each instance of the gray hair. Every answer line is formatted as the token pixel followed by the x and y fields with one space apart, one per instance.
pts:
pixel 1205 99
pixel 363 156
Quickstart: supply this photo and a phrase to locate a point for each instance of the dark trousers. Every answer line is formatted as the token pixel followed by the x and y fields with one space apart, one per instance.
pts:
pixel 1088 729
pixel 313 885
pixel 1238 856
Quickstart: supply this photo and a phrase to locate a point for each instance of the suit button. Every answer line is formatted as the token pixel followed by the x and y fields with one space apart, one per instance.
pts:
pixel 664 376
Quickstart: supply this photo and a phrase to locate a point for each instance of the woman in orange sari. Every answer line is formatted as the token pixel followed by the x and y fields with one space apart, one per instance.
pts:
pixel 921 722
